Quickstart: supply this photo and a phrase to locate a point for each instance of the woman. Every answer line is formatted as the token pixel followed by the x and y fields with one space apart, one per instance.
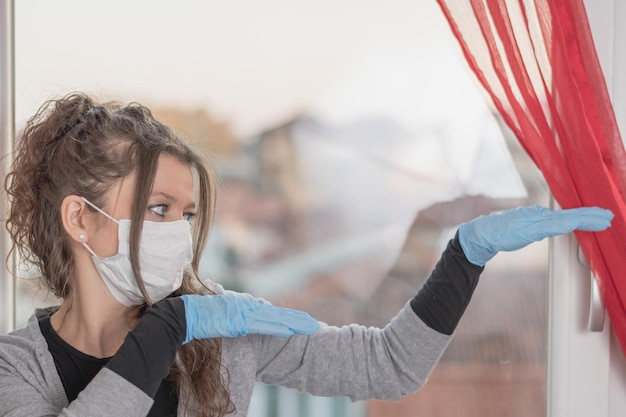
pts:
pixel 114 210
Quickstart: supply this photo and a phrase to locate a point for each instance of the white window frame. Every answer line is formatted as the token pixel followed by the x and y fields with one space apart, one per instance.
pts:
pixel 7 133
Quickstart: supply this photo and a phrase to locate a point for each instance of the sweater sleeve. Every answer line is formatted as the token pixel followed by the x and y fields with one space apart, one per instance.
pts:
pixel 354 361
pixel 443 298
pixel 365 363
pixel 145 357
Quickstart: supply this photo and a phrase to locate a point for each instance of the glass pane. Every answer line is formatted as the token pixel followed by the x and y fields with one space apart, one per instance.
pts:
pixel 350 142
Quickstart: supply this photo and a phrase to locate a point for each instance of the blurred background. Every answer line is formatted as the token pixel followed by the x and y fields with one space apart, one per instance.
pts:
pixel 350 141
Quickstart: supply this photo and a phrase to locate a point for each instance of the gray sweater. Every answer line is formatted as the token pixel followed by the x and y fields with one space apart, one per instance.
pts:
pixel 353 361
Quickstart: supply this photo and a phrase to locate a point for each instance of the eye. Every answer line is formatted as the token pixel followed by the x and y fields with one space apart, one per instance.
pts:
pixel 159 209
pixel 189 216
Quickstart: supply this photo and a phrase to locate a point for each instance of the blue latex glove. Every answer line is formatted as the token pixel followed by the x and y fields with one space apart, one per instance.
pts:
pixel 229 315
pixel 513 229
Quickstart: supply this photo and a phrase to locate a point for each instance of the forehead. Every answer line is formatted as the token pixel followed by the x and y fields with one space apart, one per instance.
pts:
pixel 173 177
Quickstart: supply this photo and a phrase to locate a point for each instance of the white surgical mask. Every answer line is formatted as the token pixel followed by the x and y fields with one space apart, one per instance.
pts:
pixel 165 250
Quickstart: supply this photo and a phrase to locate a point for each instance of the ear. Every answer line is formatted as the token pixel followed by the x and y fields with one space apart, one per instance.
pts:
pixel 74 217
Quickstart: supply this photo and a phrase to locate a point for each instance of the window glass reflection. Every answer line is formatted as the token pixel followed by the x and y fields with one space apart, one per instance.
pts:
pixel 338 199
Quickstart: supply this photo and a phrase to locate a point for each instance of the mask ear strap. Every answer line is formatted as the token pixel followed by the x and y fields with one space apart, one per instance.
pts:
pixel 89 249
pixel 99 209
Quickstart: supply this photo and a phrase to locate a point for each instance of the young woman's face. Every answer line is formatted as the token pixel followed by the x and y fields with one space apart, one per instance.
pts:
pixel 172 198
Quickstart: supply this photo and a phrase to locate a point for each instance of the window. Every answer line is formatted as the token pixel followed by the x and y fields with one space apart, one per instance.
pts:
pixel 350 141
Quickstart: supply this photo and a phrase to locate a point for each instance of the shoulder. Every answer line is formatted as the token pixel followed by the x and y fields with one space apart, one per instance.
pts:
pixel 26 363
pixel 25 346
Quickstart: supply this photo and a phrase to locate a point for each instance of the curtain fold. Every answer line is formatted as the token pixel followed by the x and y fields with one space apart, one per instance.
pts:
pixel 537 62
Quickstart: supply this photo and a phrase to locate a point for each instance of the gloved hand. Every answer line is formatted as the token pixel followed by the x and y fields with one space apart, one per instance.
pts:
pixel 513 229
pixel 229 315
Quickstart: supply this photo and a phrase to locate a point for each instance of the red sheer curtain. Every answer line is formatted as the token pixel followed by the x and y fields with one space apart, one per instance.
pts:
pixel 536 60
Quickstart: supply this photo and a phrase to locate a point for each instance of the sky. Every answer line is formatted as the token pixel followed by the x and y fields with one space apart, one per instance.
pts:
pixel 257 64
pixel 251 63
